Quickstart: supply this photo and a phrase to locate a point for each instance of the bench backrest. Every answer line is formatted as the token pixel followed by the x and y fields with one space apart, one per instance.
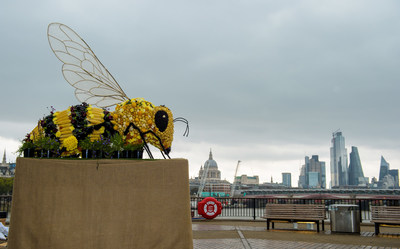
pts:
pixel 295 211
pixel 386 213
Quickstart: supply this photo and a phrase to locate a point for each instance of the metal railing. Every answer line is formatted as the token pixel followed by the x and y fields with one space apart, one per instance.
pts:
pixel 254 208
pixel 5 203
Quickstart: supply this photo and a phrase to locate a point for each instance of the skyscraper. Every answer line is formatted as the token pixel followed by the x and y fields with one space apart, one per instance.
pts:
pixel 355 169
pixel 388 178
pixel 302 177
pixel 339 175
pixel 395 174
pixel 384 170
pixel 312 173
pixel 287 179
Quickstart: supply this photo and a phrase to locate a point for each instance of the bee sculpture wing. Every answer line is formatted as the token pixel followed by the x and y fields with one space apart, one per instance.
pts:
pixel 82 69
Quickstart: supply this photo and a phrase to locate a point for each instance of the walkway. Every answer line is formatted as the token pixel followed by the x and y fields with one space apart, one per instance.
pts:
pixel 222 234
pixel 245 235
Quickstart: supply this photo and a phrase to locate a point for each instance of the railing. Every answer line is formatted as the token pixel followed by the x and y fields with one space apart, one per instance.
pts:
pixel 254 208
pixel 5 203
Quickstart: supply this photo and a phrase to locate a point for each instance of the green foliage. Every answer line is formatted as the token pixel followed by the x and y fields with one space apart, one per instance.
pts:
pixel 6 185
pixel 132 146
pixel 41 143
pixel 86 144
pixel 117 142
pixel 25 145
pixel 47 143
pixel 102 144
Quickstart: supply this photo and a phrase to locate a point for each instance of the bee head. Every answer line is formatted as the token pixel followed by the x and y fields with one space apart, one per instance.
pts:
pixel 164 127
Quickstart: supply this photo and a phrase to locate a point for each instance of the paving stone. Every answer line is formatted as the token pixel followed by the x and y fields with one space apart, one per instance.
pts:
pixel 244 243
pixel 217 244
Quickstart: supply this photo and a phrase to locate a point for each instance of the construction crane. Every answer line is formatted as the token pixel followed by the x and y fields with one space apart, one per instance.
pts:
pixel 203 179
pixel 234 180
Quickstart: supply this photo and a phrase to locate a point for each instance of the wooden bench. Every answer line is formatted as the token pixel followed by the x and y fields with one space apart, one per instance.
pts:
pixel 294 213
pixel 388 215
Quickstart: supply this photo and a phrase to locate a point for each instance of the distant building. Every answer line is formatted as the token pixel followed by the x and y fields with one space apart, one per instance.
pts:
pixel 247 180
pixel 374 182
pixel 384 169
pixel 387 182
pixel 6 169
pixel 213 172
pixel 339 175
pixel 302 177
pixel 313 180
pixel 287 179
pixel 388 178
pixel 214 186
pixel 271 185
pixel 395 174
pixel 312 173
pixel 356 174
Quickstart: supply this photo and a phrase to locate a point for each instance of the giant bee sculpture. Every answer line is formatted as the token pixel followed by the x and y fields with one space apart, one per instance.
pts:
pixel 138 121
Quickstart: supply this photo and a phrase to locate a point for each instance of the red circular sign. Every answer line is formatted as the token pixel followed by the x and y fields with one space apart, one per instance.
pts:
pixel 209 208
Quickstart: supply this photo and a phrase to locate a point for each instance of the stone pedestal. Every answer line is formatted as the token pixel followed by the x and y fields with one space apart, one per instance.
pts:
pixel 96 204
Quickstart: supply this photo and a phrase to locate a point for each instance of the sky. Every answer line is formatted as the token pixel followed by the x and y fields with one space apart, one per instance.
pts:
pixel 264 82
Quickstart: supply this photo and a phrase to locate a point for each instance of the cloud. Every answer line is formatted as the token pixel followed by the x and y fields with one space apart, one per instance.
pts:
pixel 10 146
pixel 265 82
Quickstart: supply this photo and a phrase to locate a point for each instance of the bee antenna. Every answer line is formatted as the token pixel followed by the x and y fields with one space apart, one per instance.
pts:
pixel 184 120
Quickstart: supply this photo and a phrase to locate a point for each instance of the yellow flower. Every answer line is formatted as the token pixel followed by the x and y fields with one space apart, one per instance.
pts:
pixel 70 143
pixel 58 134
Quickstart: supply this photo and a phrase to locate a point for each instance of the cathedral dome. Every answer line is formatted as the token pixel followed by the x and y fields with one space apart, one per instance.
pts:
pixel 211 162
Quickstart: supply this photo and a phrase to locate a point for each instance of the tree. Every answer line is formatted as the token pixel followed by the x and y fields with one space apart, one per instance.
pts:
pixel 6 185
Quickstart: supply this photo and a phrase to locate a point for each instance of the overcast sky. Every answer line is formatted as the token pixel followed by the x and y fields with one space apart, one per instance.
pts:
pixel 264 82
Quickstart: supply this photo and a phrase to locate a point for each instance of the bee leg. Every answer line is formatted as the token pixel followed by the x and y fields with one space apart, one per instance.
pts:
pixel 163 150
pixel 146 147
pixel 162 153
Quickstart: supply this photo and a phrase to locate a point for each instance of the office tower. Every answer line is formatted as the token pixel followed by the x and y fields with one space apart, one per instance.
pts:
pixel 313 180
pixel 287 179
pixel 317 166
pixel 395 174
pixel 384 170
pixel 302 177
pixel 355 168
pixel 339 175
pixel 312 173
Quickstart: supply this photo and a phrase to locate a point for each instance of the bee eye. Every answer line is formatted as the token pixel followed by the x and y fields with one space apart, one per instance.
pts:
pixel 161 120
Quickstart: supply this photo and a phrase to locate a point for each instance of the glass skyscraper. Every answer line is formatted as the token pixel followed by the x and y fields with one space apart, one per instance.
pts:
pixel 312 173
pixel 339 175
pixel 287 179
pixel 356 175
pixel 384 170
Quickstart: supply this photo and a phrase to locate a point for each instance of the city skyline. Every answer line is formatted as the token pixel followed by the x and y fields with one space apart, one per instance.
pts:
pixel 265 177
pixel 264 82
